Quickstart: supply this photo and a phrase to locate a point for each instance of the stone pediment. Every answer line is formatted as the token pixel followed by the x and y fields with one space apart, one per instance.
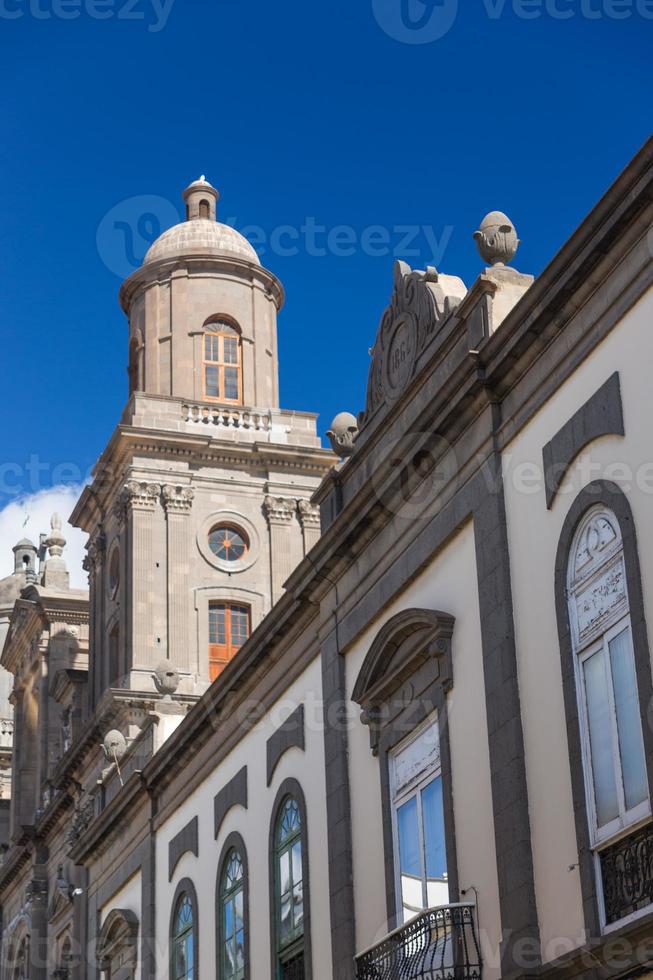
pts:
pixel 421 302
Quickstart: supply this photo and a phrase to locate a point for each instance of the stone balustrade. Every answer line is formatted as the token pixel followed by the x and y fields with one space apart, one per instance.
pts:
pixel 231 418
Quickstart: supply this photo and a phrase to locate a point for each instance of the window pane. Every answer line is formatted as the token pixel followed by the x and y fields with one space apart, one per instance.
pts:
pixel 437 887
pixel 631 744
pixel 284 872
pixel 298 906
pixel 410 865
pixel 212 382
pixel 286 918
pixel 217 630
pixel 231 383
pixel 297 862
pixel 600 730
pixel 228 920
pixel 230 350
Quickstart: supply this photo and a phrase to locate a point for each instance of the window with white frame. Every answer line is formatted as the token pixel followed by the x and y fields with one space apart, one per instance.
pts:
pixel 606 681
pixel 418 822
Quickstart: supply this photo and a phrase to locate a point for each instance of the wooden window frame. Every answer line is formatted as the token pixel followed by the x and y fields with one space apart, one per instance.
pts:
pixel 223 653
pixel 222 330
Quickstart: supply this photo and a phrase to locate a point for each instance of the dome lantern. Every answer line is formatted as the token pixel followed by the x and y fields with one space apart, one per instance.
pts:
pixel 201 200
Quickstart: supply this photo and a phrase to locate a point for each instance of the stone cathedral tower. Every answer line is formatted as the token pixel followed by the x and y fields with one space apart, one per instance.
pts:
pixel 200 504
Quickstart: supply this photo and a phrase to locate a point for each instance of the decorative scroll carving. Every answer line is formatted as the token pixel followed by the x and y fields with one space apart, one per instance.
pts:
pixel 139 495
pixel 177 499
pixel 279 510
pixel 420 303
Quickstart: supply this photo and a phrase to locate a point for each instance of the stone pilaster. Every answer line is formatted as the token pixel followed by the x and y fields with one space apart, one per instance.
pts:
pixel 94 565
pixel 280 512
pixel 141 500
pixel 178 501
pixel 309 518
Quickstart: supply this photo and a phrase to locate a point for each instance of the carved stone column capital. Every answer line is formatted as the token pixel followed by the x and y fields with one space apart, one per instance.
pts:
pixel 177 499
pixel 141 495
pixel 309 514
pixel 279 510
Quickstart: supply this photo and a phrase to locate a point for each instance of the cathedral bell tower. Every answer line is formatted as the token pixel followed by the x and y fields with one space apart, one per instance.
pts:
pixel 200 505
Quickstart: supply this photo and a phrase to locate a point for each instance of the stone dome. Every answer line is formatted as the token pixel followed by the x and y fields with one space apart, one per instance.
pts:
pixel 10 589
pixel 201 236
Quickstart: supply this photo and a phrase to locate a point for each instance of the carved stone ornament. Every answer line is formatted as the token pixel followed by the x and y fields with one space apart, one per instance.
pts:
pixel 597 581
pixel 166 679
pixel 114 745
pixel 342 434
pixel 280 510
pixel 141 495
pixel 309 514
pixel 82 817
pixel 95 551
pixel 177 499
pixel 420 303
pixel 496 239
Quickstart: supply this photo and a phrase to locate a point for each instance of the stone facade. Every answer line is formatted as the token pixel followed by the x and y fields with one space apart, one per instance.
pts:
pixel 416 627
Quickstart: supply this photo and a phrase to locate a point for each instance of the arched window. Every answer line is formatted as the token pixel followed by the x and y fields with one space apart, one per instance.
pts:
pixel 289 890
pixel 20 969
pixel 232 905
pixel 222 367
pixel 184 938
pixel 205 209
pixel 608 701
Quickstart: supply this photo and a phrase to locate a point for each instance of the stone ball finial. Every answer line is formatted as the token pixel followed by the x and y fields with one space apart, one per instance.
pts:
pixel 114 745
pixel 166 679
pixel 496 239
pixel 342 434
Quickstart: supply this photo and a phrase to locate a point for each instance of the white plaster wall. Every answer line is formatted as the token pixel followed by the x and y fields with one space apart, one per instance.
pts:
pixel 449 584
pixel 253 824
pixel 533 534
pixel 129 898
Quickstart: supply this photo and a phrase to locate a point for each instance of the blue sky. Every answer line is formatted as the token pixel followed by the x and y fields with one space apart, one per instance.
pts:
pixel 303 115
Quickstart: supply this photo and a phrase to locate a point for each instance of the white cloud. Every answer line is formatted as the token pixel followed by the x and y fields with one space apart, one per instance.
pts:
pixel 29 515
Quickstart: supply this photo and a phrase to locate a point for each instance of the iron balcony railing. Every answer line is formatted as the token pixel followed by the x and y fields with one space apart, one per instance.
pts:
pixel 627 874
pixel 438 944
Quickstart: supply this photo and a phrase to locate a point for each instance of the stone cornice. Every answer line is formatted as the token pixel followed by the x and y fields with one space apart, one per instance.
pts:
pixel 192 448
pixel 223 266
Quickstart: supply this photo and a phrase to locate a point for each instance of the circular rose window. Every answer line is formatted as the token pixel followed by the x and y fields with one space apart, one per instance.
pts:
pixel 228 543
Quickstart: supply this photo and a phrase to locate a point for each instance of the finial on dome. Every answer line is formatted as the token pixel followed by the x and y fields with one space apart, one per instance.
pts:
pixel 496 239
pixel 201 200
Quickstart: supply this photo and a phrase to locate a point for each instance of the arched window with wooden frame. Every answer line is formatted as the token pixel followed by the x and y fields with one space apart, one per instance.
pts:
pixel 229 628
pixel 184 964
pixel 222 375
pixel 232 911
pixel 290 899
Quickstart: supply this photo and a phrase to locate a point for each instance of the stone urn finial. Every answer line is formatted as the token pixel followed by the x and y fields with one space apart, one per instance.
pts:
pixel 342 434
pixel 496 239
pixel 114 745
pixel 166 679
pixel 55 541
